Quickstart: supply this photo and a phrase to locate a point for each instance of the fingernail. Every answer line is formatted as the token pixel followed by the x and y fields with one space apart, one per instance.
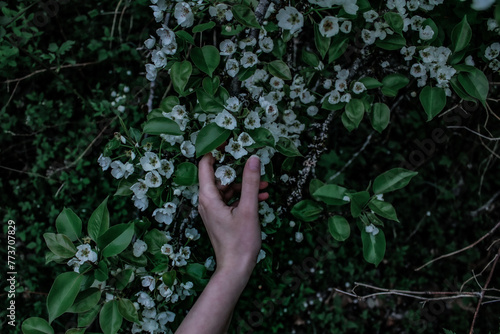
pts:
pixel 254 163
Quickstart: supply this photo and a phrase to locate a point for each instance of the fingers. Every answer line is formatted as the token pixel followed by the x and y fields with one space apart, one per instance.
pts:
pixel 250 184
pixel 206 176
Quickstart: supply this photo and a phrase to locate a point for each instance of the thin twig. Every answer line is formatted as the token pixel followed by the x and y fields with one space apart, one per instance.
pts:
pixel 485 206
pixel 461 250
pixel 474 132
pixel 49 69
pixel 482 292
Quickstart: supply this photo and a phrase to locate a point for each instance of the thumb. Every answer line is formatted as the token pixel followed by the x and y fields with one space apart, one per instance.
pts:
pixel 250 184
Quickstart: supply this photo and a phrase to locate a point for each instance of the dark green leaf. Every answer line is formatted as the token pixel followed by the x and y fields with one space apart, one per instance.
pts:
pixel 180 73
pixel 395 21
pixel 373 246
pixel 307 210
pixel 86 318
pixel 370 83
pixel 168 103
pixel 383 209
pixel 127 310
pixel 209 138
pixel 392 83
pixel 162 125
pixel 433 100
pixel 110 318
pixel 62 294
pixel 322 43
pixel 279 69
pixel 337 48
pixel 286 147
pixel 85 301
pixel 391 180
pixel 354 111
pixel 35 325
pixel 203 27
pixel 339 228
pixel 206 58
pixel 475 84
pixel 186 174
pixel 391 42
pixel 69 224
pixel 358 202
pixel 60 245
pixel 331 194
pixel 169 278
pixel 380 116
pixel 116 239
pixel 461 35
pixel 155 240
pixel 184 35
pixel 262 137
pixel 99 221
pixel 246 16
pixel 209 103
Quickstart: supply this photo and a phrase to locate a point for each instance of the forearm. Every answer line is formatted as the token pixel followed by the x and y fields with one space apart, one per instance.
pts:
pixel 212 312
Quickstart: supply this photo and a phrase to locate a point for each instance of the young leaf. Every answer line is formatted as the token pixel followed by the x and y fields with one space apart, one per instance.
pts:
pixel 373 246
pixel 86 318
pixel 392 83
pixel 475 84
pixel 322 43
pixel 355 110
pixel 337 48
pixel 35 325
pixel 69 224
pixel 286 147
pixel 339 228
pixel 62 294
pixel 203 27
pixel 358 202
pixel 395 21
pixel 209 138
pixel 433 99
pixel 209 103
pixel 391 180
pixel 110 318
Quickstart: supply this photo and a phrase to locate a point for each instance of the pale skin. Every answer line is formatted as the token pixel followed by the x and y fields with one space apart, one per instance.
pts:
pixel 234 231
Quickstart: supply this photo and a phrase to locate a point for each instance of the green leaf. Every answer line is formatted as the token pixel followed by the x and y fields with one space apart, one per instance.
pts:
pixel 391 42
pixel 209 138
pixel 203 27
pixel 337 48
pixel 123 278
pixel 380 116
pixel 62 294
pixel 322 43
pixel 69 224
pixel 461 35
pixel 391 180
pixel 310 58
pixel 432 24
pixel 383 209
pixel 110 318
pixel 395 21
pixel 206 58
pixel 60 245
pixel 184 35
pixel 262 137
pixel 85 301
pixel 99 221
pixel 127 310
pixel 162 125
pixel 245 15
pixel 279 69
pixel 209 103
pixel 355 110
pixel 196 272
pixel 433 100
pixel 307 210
pixel 116 239
pixel 86 318
pixel 169 278
pixel 35 325
pixel 475 84
pixel 75 331
pixel 186 174
pixel 370 83
pixel 373 246
pixel 339 228
pixel 102 272
pixel 331 194
pixel 155 240
pixel 180 73
pixel 168 103
pixel 392 83
pixel 286 147
pixel 314 185
pixel 124 188
pixel 358 202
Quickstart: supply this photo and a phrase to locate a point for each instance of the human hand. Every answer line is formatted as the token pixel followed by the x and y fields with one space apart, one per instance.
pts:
pixel 234 230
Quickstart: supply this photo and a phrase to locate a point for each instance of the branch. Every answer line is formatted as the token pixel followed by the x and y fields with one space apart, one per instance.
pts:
pixel 50 69
pixel 474 132
pixel 486 206
pixel 463 249
pixel 482 292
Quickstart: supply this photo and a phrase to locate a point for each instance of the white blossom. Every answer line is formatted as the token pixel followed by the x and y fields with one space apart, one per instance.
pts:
pixel 249 59
pixel 299 236
pixel 289 18
pixel 188 149
pixel 329 26
pixel 139 247
pixel 153 179
pixel 358 87
pixel 266 44
pixel 235 149
pixel 183 14
pixel 104 162
pixel 141 203
pixel 232 67
pixel 192 234
pixel 150 161
pixel 252 121
pixel 227 47
pixel 492 51
pixel 120 169
pixel 225 120
pixel 139 188
pixel 225 174
pixel 426 33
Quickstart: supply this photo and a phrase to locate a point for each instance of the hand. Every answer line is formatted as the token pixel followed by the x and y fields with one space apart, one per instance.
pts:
pixel 234 230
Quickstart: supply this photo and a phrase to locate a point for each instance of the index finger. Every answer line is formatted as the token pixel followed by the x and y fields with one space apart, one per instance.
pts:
pixel 206 175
